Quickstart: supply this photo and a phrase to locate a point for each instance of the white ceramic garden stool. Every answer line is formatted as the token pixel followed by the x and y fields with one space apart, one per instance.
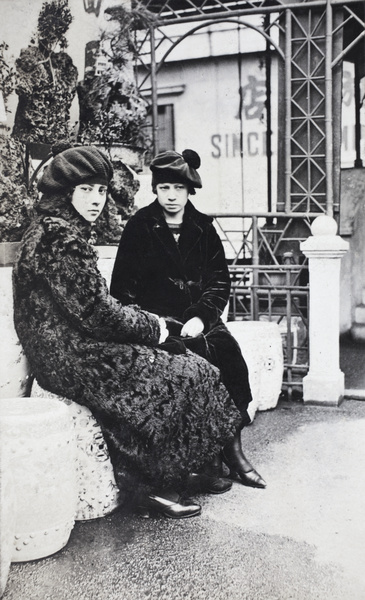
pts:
pixel 7 514
pixel 14 368
pixel 98 494
pixel 262 348
pixel 38 436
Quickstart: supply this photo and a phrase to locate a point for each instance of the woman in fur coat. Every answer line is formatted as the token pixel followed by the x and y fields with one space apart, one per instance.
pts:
pixel 171 262
pixel 164 416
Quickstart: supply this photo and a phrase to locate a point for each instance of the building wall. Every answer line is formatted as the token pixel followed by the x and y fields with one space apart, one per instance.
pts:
pixel 352 229
pixel 207 101
pixel 352 204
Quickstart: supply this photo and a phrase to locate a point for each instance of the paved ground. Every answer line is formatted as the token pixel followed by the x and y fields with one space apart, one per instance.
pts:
pixel 303 538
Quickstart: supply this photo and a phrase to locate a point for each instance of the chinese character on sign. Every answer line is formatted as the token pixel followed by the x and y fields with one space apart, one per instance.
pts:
pixel 92 6
pixel 252 98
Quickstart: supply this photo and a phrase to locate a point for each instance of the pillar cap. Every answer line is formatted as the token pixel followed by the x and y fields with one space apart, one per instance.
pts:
pixel 324 225
pixel 324 243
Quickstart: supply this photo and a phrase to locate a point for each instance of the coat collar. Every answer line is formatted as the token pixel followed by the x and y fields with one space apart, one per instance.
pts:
pixel 154 210
pixel 191 232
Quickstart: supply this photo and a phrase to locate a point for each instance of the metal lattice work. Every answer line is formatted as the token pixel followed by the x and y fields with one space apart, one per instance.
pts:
pixel 307 112
pixel 270 279
pixel 277 296
pixel 167 11
pixel 192 9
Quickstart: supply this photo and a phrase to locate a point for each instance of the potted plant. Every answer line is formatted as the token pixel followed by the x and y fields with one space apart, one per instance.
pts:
pixel 112 111
pixel 15 214
pixel 15 201
pixel 46 81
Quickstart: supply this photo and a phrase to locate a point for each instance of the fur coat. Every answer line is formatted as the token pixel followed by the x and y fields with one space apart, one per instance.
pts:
pixel 183 280
pixel 163 415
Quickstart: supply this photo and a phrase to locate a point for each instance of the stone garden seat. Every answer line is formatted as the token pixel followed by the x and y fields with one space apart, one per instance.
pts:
pixel 97 491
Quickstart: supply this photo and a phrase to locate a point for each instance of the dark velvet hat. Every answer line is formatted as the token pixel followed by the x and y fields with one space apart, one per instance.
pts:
pixel 73 166
pixel 172 167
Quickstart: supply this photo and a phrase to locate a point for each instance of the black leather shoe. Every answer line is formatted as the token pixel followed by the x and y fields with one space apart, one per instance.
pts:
pixel 241 469
pixel 208 484
pixel 250 478
pixel 168 508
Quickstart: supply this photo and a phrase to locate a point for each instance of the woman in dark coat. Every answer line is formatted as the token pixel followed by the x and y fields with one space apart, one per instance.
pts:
pixel 164 416
pixel 171 262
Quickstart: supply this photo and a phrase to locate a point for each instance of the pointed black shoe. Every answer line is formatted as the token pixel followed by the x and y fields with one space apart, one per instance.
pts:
pixel 173 509
pixel 241 469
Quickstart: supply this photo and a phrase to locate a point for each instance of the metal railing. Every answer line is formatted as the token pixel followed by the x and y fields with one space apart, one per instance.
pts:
pixel 270 280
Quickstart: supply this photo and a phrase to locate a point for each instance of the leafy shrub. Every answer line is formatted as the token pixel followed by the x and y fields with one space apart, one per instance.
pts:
pixel 46 79
pixel 15 201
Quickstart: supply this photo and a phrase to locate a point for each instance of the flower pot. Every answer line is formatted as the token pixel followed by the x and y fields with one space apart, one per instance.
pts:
pixel 8 251
pixel 130 155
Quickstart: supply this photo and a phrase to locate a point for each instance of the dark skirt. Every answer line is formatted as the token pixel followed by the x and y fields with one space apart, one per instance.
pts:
pixel 219 347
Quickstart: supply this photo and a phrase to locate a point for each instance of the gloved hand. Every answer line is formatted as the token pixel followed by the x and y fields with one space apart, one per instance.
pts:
pixel 192 328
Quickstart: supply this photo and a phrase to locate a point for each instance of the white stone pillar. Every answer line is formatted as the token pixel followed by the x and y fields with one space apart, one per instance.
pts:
pixel 325 382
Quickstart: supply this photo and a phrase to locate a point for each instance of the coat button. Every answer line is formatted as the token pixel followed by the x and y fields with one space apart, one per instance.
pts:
pixel 151 359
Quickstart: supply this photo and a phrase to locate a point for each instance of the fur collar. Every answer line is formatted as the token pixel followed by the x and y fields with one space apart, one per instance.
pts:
pixel 60 206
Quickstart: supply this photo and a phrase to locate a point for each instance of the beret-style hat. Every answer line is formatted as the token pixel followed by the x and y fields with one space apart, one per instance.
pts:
pixel 172 167
pixel 75 166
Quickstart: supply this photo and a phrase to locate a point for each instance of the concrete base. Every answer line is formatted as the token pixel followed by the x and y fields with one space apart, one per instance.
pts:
pixel 324 390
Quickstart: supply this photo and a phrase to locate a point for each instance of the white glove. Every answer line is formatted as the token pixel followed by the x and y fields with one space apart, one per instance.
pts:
pixel 192 328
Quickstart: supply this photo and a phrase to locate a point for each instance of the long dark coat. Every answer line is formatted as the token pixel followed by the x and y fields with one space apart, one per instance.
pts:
pixel 181 281
pixel 163 415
